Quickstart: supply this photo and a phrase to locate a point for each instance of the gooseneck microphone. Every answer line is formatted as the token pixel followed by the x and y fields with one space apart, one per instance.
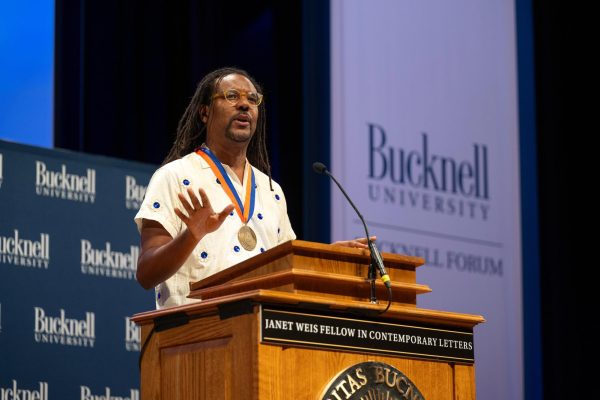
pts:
pixel 376 258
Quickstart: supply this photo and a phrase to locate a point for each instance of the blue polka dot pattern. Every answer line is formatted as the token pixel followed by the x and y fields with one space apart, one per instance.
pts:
pixel 277 197
pixel 236 249
pixel 260 216
pixel 156 204
pixel 278 230
pixel 218 181
pixel 158 295
pixel 262 250
pixel 204 254
pixel 231 213
pixel 186 182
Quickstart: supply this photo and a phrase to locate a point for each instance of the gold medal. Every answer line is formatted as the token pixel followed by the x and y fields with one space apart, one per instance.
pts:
pixel 247 237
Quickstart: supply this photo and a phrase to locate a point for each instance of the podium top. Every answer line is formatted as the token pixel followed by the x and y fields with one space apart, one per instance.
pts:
pixel 315 250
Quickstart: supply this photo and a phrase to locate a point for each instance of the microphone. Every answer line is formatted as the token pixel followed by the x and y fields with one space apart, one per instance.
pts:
pixel 376 258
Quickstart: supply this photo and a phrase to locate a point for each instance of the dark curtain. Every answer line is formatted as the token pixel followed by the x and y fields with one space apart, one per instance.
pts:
pixel 562 80
pixel 126 70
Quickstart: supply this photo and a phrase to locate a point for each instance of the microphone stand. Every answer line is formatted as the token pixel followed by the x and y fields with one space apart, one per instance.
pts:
pixel 372 277
pixel 372 274
pixel 376 261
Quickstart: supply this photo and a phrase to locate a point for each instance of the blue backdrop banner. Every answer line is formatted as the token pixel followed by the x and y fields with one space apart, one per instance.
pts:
pixel 68 255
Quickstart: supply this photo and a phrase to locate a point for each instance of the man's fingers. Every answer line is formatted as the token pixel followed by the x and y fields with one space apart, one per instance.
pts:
pixel 194 198
pixel 184 202
pixel 181 215
pixel 352 243
pixel 365 241
pixel 204 198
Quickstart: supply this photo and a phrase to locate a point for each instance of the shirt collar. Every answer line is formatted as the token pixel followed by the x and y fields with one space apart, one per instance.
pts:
pixel 232 175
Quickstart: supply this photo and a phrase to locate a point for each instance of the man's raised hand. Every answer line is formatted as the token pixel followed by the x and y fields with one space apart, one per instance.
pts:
pixel 200 218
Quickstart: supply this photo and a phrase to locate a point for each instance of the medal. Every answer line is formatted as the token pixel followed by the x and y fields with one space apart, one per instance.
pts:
pixel 247 237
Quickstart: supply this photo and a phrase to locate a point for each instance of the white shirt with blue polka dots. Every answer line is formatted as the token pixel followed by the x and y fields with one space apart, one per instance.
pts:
pixel 220 249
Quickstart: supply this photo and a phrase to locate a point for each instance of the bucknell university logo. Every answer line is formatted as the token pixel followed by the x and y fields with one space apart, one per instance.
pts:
pixel 107 262
pixel 65 185
pixel 14 391
pixel 25 252
pixel 64 331
pixel 371 380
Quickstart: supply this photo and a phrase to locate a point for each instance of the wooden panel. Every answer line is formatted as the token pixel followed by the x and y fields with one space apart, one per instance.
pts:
pixel 433 378
pixel 197 371
pixel 292 373
pixel 150 374
pixel 355 267
pixel 464 382
pixel 305 281
pixel 314 256
pixel 296 373
pixel 352 267
pixel 208 358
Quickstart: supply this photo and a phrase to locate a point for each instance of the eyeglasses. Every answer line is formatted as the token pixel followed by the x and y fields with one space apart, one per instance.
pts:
pixel 233 96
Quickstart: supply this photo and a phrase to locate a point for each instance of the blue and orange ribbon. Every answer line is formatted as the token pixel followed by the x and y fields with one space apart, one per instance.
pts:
pixel 245 209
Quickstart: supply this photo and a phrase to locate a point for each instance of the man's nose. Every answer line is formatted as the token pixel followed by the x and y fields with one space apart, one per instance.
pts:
pixel 243 103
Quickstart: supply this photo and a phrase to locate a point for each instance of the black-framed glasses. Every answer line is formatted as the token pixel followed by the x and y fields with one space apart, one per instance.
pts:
pixel 233 96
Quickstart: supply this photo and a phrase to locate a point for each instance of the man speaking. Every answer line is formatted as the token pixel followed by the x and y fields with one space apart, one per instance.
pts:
pixel 213 203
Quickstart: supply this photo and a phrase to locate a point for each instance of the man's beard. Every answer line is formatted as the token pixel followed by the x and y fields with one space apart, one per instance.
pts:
pixel 238 137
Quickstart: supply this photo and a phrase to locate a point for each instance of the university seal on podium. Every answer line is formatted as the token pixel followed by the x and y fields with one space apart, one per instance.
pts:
pixel 371 380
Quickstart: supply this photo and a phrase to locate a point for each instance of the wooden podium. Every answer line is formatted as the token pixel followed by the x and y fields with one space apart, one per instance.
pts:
pixel 295 322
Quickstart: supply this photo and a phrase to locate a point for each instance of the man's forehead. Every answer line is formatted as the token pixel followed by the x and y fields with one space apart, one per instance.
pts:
pixel 234 81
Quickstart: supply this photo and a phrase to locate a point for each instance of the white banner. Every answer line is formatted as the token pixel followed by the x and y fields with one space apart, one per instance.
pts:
pixel 425 141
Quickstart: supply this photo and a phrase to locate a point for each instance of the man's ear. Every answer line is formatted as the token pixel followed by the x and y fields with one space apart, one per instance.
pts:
pixel 204 114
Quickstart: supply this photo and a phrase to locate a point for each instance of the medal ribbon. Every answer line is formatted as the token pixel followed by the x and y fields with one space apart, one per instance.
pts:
pixel 244 210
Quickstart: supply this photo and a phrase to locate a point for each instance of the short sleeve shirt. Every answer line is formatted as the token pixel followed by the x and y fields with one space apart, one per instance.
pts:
pixel 220 249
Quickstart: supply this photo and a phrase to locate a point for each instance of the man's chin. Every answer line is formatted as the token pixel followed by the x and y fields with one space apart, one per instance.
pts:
pixel 239 137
